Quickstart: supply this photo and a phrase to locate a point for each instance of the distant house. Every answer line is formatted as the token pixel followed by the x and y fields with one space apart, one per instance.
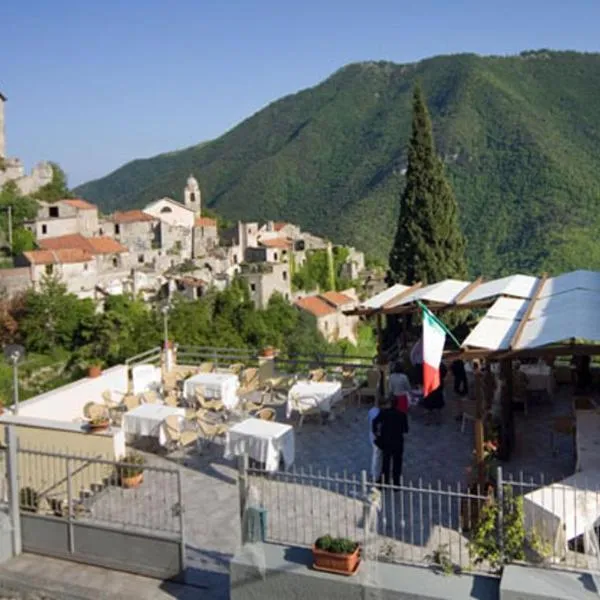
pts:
pixel 64 217
pixel 327 310
pixel 172 212
pixel 206 236
pixel 136 229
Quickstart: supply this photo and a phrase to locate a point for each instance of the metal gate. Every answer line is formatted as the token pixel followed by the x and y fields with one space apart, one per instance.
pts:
pixel 82 508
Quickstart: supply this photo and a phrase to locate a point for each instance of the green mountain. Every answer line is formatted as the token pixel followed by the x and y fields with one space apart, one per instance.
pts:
pixel 520 136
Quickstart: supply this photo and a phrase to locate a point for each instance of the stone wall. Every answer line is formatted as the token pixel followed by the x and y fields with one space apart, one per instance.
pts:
pixel 13 170
pixel 14 281
pixel 138 236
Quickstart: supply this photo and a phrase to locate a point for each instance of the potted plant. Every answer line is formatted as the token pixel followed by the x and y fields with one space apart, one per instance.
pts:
pixel 131 471
pixel 29 499
pixel 336 555
pixel 99 423
pixel 94 370
pixel 268 352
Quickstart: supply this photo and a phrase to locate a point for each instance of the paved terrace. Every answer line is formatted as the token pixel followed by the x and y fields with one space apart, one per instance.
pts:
pixel 433 453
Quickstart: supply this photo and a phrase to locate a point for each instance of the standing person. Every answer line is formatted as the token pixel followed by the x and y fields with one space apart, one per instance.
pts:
pixel 461 384
pixel 416 358
pixel 400 388
pixel 389 428
pixel 376 455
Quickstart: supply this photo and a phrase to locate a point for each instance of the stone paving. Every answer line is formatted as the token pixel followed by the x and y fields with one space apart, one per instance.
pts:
pixel 434 454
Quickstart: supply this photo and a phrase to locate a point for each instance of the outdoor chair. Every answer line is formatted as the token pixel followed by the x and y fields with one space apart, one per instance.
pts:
pixel 150 397
pixel 371 390
pixel 94 411
pixel 108 401
pixel 249 380
pixel 176 436
pixel 210 431
pixel 236 368
pixel 171 399
pixel 206 367
pixel 265 414
pixel 249 406
pixel 131 402
pixel 202 402
pixel 304 412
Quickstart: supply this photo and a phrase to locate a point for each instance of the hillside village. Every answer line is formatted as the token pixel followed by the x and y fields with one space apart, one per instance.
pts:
pixel 166 248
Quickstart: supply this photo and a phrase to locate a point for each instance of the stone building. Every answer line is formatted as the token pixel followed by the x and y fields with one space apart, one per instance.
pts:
pixel 264 279
pixel 206 236
pixel 65 217
pixel 136 229
pixel 328 311
pixel 172 212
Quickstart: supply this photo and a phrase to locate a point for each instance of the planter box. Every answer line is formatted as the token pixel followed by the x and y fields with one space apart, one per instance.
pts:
pixel 333 562
pixel 133 481
pixel 94 371
pixel 99 426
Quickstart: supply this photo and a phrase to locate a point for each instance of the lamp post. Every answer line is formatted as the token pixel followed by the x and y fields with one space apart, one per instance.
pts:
pixel 13 354
pixel 165 311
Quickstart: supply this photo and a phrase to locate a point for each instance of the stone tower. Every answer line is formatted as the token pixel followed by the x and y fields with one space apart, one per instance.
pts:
pixel 2 142
pixel 191 196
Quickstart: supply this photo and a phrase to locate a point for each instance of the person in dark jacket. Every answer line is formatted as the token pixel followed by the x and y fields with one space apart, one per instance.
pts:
pixel 389 428
pixel 461 384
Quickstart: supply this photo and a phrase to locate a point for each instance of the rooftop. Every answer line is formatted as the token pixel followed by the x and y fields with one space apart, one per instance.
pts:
pixel 79 204
pixel 58 256
pixel 278 242
pixel 131 216
pixel 92 245
pixel 205 222
pixel 315 305
pixel 337 298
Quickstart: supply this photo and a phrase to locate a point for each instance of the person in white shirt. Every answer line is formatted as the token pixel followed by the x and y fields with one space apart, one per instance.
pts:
pixel 376 454
pixel 400 388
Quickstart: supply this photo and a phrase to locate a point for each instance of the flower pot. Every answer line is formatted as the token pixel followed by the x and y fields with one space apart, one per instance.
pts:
pixel 99 426
pixel 268 352
pixel 94 371
pixel 333 562
pixel 132 482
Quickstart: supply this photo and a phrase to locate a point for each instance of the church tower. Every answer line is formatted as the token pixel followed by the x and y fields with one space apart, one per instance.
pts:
pixel 2 142
pixel 191 196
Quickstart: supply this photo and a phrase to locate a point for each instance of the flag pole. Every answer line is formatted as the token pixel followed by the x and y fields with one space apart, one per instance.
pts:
pixel 441 324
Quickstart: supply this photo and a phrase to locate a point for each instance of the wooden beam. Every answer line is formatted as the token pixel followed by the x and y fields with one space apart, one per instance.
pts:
pixel 519 332
pixel 468 290
pixel 402 295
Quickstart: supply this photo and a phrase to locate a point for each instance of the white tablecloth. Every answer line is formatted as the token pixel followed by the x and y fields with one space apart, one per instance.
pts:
pixel 565 510
pixel 304 395
pixel 223 386
pixel 145 378
pixel 148 418
pixel 539 377
pixel 587 440
pixel 264 441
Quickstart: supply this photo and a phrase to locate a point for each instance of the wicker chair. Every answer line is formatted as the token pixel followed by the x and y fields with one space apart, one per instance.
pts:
pixel 94 411
pixel 210 431
pixel 202 402
pixel 131 402
pixel 171 399
pixel 236 368
pixel 265 414
pixel 150 397
pixel 176 436
pixel 372 388
pixel 108 401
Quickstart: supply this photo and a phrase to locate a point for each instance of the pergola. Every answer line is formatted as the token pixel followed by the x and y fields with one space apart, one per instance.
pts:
pixel 526 317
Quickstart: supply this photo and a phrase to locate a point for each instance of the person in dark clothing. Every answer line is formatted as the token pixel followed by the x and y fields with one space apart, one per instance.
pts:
pixel 461 384
pixel 434 401
pixel 389 428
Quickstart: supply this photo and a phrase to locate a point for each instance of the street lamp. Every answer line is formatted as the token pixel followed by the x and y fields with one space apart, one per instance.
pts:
pixel 13 354
pixel 165 311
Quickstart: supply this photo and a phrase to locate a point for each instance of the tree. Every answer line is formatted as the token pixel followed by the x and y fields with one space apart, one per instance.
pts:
pixel 57 189
pixel 429 245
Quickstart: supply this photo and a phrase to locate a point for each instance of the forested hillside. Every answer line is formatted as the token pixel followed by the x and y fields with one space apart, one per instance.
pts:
pixel 520 137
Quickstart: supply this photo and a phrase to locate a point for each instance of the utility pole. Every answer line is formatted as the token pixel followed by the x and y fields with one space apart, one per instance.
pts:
pixel 10 229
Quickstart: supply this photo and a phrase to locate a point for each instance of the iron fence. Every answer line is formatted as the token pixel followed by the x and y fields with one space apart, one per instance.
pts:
pixel 510 520
pixel 98 491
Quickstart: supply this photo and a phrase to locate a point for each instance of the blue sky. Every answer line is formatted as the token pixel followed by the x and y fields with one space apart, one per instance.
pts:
pixel 93 85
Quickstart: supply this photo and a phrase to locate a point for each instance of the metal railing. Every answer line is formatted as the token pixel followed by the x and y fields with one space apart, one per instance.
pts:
pixel 454 527
pixel 151 356
pixel 96 490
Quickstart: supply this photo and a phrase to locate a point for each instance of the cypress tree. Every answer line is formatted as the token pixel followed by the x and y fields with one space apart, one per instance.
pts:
pixel 429 245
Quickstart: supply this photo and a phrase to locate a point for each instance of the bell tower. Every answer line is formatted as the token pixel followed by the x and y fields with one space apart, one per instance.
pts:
pixel 191 196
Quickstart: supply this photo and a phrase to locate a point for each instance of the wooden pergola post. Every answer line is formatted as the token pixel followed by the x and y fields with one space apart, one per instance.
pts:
pixel 507 421
pixel 479 455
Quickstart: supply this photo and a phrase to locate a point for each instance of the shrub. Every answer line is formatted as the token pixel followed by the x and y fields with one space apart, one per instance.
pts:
pixel 336 545
pixel 134 465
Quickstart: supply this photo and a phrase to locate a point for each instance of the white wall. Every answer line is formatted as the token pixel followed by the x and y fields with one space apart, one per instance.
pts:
pixel 176 214
pixel 66 403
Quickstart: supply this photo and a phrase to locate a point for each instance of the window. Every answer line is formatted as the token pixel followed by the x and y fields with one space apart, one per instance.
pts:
pixel 101 231
pixel 115 261
pixel 326 326
pixel 287 296
pixel 253 287
pixel 117 229
pixel 53 211
pixel 49 269
pixel 192 197
pixel 44 229
pixel 274 255
pixel 141 259
pixel 85 267
pixel 235 259
pixel 166 209
pixel 284 275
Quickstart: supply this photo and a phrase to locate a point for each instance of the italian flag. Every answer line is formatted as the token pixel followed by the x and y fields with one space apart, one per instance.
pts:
pixel 434 337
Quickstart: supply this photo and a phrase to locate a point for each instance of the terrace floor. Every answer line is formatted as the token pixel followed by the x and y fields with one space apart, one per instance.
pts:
pixel 433 453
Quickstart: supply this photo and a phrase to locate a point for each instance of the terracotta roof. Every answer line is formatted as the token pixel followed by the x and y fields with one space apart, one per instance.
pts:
pixel 277 242
pixel 80 204
pixel 93 245
pixel 315 306
pixel 336 298
pixel 205 222
pixel 279 225
pixel 131 216
pixel 58 256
